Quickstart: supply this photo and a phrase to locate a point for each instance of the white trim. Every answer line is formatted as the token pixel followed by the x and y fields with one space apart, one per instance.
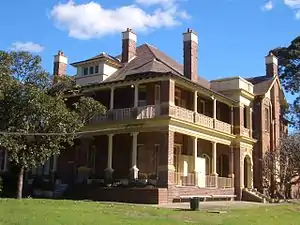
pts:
pixel 61 59
pixel 190 36
pixel 271 60
pixel 129 36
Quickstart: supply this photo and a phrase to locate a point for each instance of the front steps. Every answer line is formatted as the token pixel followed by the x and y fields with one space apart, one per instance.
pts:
pixel 253 195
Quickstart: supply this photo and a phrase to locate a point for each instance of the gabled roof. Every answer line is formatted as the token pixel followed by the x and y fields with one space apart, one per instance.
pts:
pixel 261 84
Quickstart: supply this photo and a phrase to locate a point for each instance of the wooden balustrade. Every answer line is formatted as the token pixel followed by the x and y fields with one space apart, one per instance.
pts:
pixel 182 113
pixel 188 179
pixel 151 111
pixel 204 120
pixel 222 126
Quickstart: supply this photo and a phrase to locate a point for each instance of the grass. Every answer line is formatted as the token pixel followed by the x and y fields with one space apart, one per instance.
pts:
pixel 46 212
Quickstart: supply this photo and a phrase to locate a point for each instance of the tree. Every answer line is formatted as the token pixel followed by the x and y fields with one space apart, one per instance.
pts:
pixel 289 74
pixel 282 165
pixel 35 124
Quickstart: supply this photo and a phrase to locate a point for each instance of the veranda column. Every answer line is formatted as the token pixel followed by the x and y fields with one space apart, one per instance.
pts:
pixel 195 156
pixel 109 170
pixel 195 101
pixel 214 162
pixel 195 105
pixel 214 111
pixel 134 169
pixel 231 165
pixel 232 119
pixel 112 96
pixel 250 121
pixel 136 95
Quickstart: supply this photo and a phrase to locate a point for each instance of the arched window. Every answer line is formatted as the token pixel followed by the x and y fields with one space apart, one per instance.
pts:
pixel 207 163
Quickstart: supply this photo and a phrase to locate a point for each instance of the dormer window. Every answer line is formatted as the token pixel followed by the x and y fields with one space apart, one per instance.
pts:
pixel 85 71
pixel 91 70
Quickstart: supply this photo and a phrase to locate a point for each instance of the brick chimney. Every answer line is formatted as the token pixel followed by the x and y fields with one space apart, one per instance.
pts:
pixel 128 45
pixel 271 65
pixel 190 55
pixel 60 64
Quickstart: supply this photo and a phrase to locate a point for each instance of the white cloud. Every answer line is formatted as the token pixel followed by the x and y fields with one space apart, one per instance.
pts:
pixel 26 46
pixel 268 6
pixel 91 20
pixel 156 2
pixel 294 4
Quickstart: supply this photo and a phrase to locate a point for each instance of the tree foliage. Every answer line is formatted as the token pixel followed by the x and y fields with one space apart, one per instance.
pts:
pixel 35 121
pixel 289 74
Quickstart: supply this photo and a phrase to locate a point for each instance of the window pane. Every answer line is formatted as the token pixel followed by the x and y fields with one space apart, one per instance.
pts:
pixel 96 69
pixel 91 70
pixel 85 71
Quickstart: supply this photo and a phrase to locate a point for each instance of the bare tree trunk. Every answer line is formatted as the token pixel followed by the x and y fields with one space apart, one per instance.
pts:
pixel 20 182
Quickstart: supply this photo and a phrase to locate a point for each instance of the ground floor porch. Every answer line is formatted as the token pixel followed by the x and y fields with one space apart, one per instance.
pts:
pixel 163 159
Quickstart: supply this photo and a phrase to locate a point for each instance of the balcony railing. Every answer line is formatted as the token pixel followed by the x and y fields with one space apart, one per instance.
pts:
pixel 182 113
pixel 152 111
pixel 204 120
pixel 245 131
pixel 144 112
pixel 189 179
pixel 221 126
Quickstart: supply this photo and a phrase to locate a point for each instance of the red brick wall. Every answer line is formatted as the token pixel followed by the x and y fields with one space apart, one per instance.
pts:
pixel 128 49
pixel 191 60
pixel 59 69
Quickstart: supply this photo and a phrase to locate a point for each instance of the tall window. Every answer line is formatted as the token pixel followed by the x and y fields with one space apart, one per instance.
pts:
pixel 201 107
pixel 91 70
pixel 157 94
pixel 179 98
pixel 96 69
pixel 85 71
pixel 267 119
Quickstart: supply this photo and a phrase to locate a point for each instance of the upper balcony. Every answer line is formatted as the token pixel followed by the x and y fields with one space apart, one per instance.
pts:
pixel 161 99
pixel 154 111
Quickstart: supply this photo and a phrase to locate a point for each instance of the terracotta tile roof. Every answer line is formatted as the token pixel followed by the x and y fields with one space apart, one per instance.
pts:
pixel 100 56
pixel 261 84
pixel 151 59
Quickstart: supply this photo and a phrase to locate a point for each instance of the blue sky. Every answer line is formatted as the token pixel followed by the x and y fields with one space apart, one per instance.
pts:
pixel 234 35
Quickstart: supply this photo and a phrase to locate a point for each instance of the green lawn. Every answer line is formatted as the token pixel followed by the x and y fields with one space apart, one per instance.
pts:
pixel 46 212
